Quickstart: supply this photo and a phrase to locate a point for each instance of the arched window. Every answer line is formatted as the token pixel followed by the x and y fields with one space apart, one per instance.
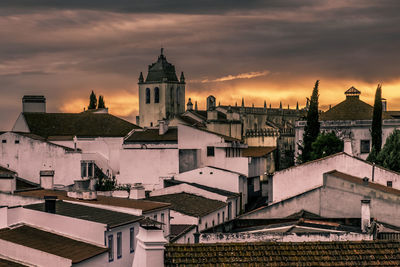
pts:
pixel 156 95
pixel 147 95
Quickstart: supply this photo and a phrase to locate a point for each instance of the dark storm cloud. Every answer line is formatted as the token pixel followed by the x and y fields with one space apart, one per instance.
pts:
pixel 66 48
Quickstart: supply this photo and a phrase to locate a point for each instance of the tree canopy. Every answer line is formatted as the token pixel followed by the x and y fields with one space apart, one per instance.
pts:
pixel 376 127
pixel 389 156
pixel 93 101
pixel 326 144
pixel 311 130
pixel 101 102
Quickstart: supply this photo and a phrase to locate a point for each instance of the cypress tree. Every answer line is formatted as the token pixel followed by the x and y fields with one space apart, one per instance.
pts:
pixel 311 130
pixel 376 127
pixel 93 101
pixel 101 102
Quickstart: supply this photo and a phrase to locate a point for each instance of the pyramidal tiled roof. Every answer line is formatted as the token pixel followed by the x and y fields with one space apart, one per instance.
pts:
pixel 351 109
pixel 161 70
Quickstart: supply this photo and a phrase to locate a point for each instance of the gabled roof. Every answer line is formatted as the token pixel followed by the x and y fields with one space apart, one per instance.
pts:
pixel 190 204
pixel 259 151
pixel 225 137
pixel 358 180
pixel 351 109
pixel 76 251
pixel 86 124
pixel 161 70
pixel 111 218
pixel 350 253
pixel 140 204
pixel 178 230
pixel 172 182
pixel 152 135
pixel 9 263
pixel 6 173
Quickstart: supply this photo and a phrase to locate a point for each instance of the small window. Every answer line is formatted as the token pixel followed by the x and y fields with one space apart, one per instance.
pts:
pixel 210 151
pixel 389 183
pixel 188 240
pixel 156 95
pixel 147 95
pixel 206 226
pixel 4 141
pixel 90 169
pixel 132 239
pixel 223 216
pixel 162 217
pixel 218 219
pixel 110 248
pixel 119 245
pixel 199 220
pixel 155 217
pixel 16 141
pixel 213 223
pixel 364 146
pixel 83 169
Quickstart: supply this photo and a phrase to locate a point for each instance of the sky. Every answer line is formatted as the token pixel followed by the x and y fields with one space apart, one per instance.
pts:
pixel 261 50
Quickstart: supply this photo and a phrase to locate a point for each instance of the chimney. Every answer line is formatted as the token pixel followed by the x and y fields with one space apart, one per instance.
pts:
pixel 365 214
pixel 149 247
pixel 33 103
pixel 50 204
pixel 347 148
pixel 47 179
pixel 384 104
pixel 162 127
pixel 137 191
pixel 189 105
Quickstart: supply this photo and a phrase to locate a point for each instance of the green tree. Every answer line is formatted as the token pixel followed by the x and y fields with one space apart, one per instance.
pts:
pixel 376 127
pixel 101 102
pixel 389 156
pixel 311 130
pixel 326 144
pixel 93 101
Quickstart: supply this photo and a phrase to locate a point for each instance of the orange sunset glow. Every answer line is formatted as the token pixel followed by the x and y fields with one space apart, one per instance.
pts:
pixel 271 51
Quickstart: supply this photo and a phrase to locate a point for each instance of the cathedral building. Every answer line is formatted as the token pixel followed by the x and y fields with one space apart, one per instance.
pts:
pixel 161 94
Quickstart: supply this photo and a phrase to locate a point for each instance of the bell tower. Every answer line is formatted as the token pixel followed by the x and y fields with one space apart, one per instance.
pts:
pixel 161 95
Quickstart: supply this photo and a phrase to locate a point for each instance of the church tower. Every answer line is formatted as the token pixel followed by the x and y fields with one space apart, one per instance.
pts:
pixel 161 95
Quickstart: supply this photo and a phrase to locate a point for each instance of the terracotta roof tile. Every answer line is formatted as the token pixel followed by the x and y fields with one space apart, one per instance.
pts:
pixel 257 151
pixel 85 124
pixel 111 218
pixel 190 204
pixel 144 205
pixel 152 135
pixel 55 244
pixel 353 253
pixel 351 109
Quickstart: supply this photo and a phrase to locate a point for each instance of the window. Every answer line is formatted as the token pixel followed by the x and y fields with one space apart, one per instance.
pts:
pixel 4 141
pixel 16 141
pixel 156 95
pixel 162 217
pixel 83 169
pixel 188 240
pixel 213 223
pixel 155 217
pixel 147 95
pixel 119 245
pixel 364 146
pixel 110 248
pixel 90 169
pixel 210 151
pixel 389 183
pixel 132 239
pixel 223 216
pixel 206 226
pixel 218 219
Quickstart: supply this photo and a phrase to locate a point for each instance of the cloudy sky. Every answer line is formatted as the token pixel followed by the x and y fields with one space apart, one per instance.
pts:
pixel 260 50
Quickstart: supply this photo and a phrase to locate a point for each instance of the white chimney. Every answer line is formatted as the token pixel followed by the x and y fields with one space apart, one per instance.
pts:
pixel 137 191
pixel 33 103
pixel 365 214
pixel 163 127
pixel 47 179
pixel 149 247
pixel 347 146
